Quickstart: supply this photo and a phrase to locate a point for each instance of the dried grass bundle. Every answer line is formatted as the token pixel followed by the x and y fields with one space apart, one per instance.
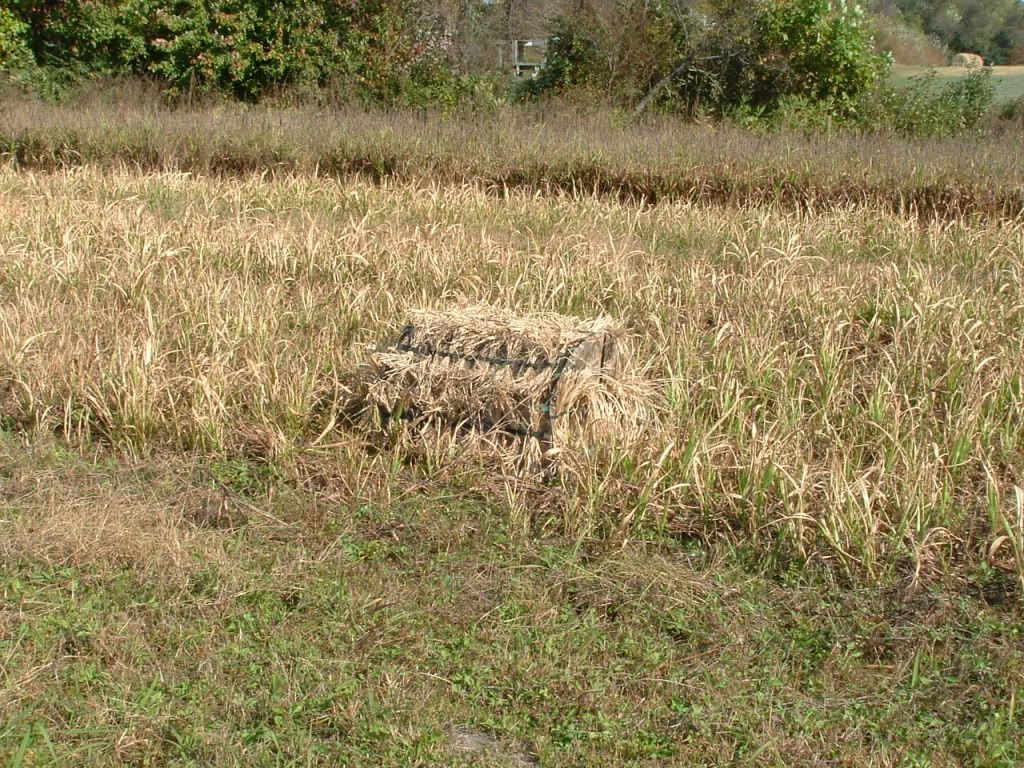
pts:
pixel 533 384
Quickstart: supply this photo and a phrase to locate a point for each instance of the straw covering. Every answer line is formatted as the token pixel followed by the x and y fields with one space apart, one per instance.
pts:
pixel 538 382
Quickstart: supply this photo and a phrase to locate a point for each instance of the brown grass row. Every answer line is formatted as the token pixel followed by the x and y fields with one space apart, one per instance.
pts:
pixel 535 150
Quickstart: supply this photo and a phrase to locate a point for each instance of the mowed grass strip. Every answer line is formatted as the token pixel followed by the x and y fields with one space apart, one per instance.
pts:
pixel 169 611
pixel 842 390
pixel 543 150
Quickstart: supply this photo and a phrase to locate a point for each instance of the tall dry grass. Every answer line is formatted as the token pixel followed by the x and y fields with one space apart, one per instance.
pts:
pixel 543 149
pixel 841 387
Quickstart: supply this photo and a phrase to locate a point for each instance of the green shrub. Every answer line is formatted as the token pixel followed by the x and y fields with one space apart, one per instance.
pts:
pixel 393 57
pixel 80 37
pixel 573 62
pixel 245 48
pixel 15 55
pixel 1012 111
pixel 927 109
pixel 818 50
pixel 806 115
pixel 380 51
pixel 744 59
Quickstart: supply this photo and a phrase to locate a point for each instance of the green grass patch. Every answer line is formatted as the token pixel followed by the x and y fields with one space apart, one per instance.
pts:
pixel 426 633
pixel 1008 81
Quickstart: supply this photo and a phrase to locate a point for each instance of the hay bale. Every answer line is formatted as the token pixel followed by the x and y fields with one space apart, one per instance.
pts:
pixel 968 61
pixel 541 381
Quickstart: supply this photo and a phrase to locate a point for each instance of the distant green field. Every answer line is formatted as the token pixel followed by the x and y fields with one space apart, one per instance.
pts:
pixel 1009 81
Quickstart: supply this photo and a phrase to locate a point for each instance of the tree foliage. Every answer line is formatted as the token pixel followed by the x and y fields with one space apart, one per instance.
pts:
pixel 85 36
pixel 383 50
pixel 15 55
pixel 749 59
pixel 816 49
pixel 991 28
pixel 930 108
pixel 244 47
pixel 721 54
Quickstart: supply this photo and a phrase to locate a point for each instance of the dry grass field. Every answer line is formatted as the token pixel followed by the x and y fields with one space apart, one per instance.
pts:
pixel 814 555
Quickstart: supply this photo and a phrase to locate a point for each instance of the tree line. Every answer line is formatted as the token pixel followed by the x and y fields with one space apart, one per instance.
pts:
pixel 993 29
pixel 749 59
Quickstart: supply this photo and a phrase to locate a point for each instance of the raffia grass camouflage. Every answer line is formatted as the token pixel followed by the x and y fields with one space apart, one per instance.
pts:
pixel 533 386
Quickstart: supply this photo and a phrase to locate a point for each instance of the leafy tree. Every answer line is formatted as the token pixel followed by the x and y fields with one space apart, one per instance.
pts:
pixel 395 55
pixel 732 54
pixel 820 50
pixel 244 47
pixel 992 28
pixel 15 55
pixel 84 36
pixel 380 50
pixel 930 108
pixel 573 61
